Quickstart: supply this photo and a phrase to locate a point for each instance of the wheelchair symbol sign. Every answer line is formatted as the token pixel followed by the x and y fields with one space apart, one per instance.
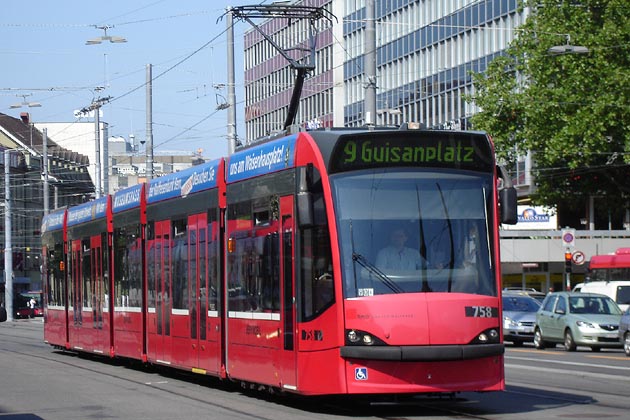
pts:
pixel 360 374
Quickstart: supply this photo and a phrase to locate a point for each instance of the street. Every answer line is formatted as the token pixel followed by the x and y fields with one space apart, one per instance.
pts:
pixel 38 382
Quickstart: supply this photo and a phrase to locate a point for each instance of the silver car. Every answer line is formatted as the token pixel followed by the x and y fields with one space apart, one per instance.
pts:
pixel 624 331
pixel 578 319
pixel 519 317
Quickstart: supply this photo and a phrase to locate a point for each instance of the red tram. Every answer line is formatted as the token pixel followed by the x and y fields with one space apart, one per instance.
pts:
pixel 264 267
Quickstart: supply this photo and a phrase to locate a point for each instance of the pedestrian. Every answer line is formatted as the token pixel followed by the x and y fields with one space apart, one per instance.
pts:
pixel 31 305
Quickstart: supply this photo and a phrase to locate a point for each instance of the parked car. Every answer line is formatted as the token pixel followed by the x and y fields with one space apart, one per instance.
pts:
pixel 578 287
pixel 519 317
pixel 528 291
pixel 619 291
pixel 624 331
pixel 578 319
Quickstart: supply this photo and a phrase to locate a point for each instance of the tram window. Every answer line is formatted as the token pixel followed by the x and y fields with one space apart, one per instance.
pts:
pixel 213 262
pixel 254 265
pixel 105 264
pixel 262 217
pixel 151 273
pixel 55 276
pixel 316 256
pixel 86 272
pixel 180 264
pixel 128 263
pixel 317 276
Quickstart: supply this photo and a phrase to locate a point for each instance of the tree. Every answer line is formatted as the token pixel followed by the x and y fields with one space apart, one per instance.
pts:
pixel 571 110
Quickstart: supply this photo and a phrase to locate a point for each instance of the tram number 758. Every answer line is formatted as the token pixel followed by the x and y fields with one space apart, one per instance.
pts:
pixel 482 312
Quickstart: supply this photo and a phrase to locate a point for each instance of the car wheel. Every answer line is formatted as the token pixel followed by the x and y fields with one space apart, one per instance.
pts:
pixel 626 344
pixel 538 340
pixel 569 343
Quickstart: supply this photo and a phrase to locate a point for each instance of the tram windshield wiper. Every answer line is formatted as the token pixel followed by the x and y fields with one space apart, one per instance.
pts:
pixel 451 262
pixel 363 262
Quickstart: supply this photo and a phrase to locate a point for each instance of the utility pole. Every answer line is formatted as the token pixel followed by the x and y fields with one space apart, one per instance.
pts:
pixel 369 104
pixel 8 248
pixel 97 148
pixel 231 99
pixel 96 106
pixel 45 171
pixel 149 149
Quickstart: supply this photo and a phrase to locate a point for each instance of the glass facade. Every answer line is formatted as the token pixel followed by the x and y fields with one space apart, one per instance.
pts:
pixel 269 80
pixel 425 52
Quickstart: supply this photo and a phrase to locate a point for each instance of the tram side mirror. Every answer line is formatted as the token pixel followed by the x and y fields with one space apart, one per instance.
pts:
pixel 507 198
pixel 304 198
pixel 507 206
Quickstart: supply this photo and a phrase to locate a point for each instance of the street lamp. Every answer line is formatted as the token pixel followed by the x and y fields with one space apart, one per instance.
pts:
pixel 113 39
pixel 568 48
pixel 25 103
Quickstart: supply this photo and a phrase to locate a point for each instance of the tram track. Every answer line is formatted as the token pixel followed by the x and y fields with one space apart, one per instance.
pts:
pixel 154 385
pixel 214 395
pixel 405 408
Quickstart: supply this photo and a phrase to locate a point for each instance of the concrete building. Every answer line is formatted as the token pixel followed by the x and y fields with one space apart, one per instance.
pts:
pixel 80 137
pixel 269 80
pixel 69 184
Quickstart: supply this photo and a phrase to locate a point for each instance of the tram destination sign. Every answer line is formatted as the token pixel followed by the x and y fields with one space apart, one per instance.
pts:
pixel 457 150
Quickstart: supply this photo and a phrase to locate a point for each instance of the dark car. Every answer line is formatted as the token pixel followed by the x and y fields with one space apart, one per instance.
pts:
pixel 578 319
pixel 22 308
pixel 624 331
pixel 519 317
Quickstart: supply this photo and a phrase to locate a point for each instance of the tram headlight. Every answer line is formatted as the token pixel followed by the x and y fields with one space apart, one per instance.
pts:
pixel 491 335
pixel 362 338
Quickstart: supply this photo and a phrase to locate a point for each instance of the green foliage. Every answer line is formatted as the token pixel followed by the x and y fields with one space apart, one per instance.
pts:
pixel 571 110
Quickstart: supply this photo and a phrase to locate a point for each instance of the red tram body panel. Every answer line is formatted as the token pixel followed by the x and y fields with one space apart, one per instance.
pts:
pixel 54 286
pixel 322 262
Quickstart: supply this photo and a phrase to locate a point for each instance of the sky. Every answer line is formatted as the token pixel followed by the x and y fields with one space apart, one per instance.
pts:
pixel 43 54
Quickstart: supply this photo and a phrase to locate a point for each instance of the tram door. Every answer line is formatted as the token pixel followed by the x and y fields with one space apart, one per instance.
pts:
pixel 98 292
pixel 76 291
pixel 198 290
pixel 287 353
pixel 162 261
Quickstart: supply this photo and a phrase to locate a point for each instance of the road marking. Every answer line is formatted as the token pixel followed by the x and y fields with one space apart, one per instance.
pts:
pixel 572 373
pixel 546 353
pixel 560 362
pixel 611 357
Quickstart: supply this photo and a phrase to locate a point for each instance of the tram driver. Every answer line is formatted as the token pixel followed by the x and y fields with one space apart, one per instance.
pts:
pixel 398 256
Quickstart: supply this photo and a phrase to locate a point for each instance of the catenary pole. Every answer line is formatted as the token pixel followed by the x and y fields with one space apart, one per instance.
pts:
pixel 8 247
pixel 231 99
pixel 370 62
pixel 149 121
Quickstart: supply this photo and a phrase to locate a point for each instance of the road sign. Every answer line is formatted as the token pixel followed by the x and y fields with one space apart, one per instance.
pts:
pixel 568 238
pixel 578 258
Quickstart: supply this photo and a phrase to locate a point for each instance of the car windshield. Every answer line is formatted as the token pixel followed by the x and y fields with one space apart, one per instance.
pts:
pixel 520 304
pixel 593 305
pixel 408 231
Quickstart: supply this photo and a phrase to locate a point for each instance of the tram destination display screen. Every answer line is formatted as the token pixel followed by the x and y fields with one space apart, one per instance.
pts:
pixel 456 150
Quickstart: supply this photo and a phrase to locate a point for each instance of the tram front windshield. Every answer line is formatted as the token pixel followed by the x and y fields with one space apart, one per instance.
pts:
pixel 414 231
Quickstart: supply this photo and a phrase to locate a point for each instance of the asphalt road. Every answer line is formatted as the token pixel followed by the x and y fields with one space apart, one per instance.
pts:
pixel 38 382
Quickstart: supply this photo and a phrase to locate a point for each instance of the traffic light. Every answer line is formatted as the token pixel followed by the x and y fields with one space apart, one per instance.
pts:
pixel 567 262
